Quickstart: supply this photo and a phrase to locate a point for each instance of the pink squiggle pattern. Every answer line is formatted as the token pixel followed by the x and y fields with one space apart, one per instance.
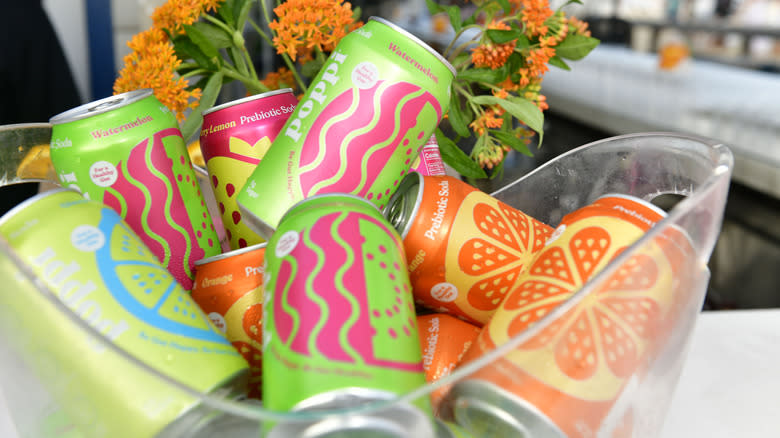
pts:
pixel 291 292
pixel 349 157
pixel 166 207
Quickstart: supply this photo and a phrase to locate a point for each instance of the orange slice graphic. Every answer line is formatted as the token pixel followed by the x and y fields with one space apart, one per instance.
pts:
pixel 490 251
pixel 600 342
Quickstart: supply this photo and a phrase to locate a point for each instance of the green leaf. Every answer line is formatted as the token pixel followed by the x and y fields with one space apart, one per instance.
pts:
pixel 557 61
pixel 215 34
pixel 433 7
pixel 225 11
pixel 194 121
pixel 505 5
pixel 197 37
pixel 575 47
pixel 522 109
pixel 458 119
pixel 454 14
pixel 455 157
pixel 186 49
pixel 311 68
pixel 484 74
pixel 500 36
pixel 238 60
pixel 357 12
pixel 240 12
pixel 512 141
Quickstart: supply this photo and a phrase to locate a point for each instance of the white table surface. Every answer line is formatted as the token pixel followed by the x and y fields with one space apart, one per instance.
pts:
pixel 729 384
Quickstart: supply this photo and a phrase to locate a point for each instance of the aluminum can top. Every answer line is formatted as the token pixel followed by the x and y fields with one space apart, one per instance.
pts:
pixel 226 255
pixel 101 106
pixel 246 99
pixel 404 204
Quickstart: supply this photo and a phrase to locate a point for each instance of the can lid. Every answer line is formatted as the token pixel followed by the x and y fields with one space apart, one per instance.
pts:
pixel 417 40
pixel 247 99
pixel 229 254
pixel 396 420
pixel 334 195
pixel 101 106
pixel 479 405
pixel 404 204
pixel 33 199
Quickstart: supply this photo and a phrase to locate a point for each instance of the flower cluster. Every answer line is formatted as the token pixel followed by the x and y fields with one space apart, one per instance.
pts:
pixel 196 46
pixel 497 104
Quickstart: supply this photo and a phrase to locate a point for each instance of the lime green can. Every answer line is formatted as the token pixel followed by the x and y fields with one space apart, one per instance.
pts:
pixel 102 277
pixel 127 152
pixel 357 129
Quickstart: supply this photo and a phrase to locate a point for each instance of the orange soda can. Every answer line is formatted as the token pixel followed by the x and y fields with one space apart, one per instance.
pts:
pixel 567 380
pixel 465 249
pixel 229 289
pixel 444 340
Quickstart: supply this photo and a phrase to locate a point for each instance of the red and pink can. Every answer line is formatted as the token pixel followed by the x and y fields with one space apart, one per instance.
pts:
pixel 234 138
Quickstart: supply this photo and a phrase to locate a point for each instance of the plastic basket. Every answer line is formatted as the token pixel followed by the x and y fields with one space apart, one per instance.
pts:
pixel 37 379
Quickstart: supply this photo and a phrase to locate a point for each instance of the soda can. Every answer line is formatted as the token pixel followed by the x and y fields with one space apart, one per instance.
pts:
pixel 444 340
pixel 229 289
pixel 101 276
pixel 357 129
pixel 234 138
pixel 448 429
pixel 339 324
pixel 127 152
pixel 565 380
pixel 429 161
pixel 466 249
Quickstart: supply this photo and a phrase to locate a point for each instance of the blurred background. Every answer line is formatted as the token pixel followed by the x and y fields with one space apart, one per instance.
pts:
pixel 705 67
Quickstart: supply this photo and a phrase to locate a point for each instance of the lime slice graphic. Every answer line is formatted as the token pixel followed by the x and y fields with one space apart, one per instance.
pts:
pixel 144 288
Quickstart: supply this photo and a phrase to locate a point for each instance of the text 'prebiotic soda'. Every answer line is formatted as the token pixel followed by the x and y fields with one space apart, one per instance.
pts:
pixel 358 128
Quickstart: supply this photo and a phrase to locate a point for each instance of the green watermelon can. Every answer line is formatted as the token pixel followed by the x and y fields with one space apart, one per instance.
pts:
pixel 127 151
pixel 357 129
pixel 340 330
pixel 100 275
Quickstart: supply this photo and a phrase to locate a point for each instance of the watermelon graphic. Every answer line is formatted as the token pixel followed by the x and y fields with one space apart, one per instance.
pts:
pixel 160 199
pixel 361 133
pixel 342 295
pixel 144 288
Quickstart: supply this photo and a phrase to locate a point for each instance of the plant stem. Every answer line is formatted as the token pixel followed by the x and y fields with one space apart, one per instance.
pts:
pixel 294 71
pixel 266 15
pixel 260 32
pixel 455 38
pixel 193 73
pixel 253 85
pixel 219 23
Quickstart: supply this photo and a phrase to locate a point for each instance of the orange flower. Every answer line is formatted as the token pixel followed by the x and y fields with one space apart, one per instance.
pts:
pixel 580 27
pixel 489 119
pixel 152 64
pixel 305 25
pixel 490 54
pixel 538 58
pixel 280 78
pixel 533 13
pixel 174 14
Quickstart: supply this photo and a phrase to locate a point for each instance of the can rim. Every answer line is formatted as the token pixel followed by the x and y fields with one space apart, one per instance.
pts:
pixel 416 39
pixel 404 187
pixel 325 195
pixel 101 106
pixel 246 99
pixel 231 253
pixel 636 199
pixel 15 210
